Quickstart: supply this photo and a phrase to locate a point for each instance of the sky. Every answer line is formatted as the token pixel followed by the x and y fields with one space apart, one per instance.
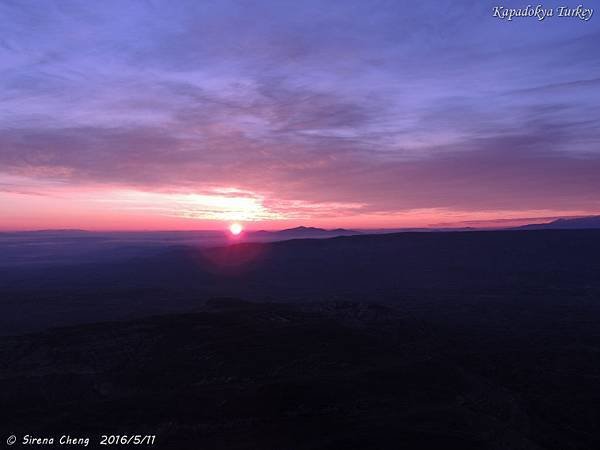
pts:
pixel 362 114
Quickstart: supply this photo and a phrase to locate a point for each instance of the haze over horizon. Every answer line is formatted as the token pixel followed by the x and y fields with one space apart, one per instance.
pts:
pixel 498 224
pixel 153 115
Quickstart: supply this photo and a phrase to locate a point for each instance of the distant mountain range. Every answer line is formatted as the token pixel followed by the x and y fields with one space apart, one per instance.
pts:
pixel 219 237
pixel 565 224
pixel 299 233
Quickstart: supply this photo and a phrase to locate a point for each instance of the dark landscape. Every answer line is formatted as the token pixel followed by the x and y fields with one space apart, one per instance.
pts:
pixel 464 340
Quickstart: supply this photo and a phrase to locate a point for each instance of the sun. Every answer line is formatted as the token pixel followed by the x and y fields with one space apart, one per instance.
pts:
pixel 235 228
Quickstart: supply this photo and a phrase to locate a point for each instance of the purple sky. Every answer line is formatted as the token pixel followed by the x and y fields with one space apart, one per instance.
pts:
pixel 340 113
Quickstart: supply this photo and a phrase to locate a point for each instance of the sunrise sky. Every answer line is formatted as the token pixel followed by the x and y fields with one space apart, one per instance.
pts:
pixel 365 114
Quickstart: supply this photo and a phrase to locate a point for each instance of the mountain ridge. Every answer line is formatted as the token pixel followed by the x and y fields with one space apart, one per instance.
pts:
pixel 577 223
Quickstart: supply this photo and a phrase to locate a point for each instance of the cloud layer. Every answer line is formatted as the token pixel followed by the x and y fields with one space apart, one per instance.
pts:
pixel 310 109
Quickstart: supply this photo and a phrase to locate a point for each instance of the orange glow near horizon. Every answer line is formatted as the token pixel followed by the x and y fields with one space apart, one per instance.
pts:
pixel 101 208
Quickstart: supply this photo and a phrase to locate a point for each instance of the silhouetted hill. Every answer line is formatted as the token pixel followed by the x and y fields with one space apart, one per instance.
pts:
pixel 356 264
pixel 592 222
pixel 378 267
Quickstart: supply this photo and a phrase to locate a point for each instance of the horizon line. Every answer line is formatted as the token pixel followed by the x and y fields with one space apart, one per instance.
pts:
pixel 441 226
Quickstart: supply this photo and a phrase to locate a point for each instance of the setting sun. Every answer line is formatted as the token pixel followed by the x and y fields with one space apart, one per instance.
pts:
pixel 235 228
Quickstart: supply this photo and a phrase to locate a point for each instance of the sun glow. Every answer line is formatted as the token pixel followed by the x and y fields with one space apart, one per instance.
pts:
pixel 235 228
